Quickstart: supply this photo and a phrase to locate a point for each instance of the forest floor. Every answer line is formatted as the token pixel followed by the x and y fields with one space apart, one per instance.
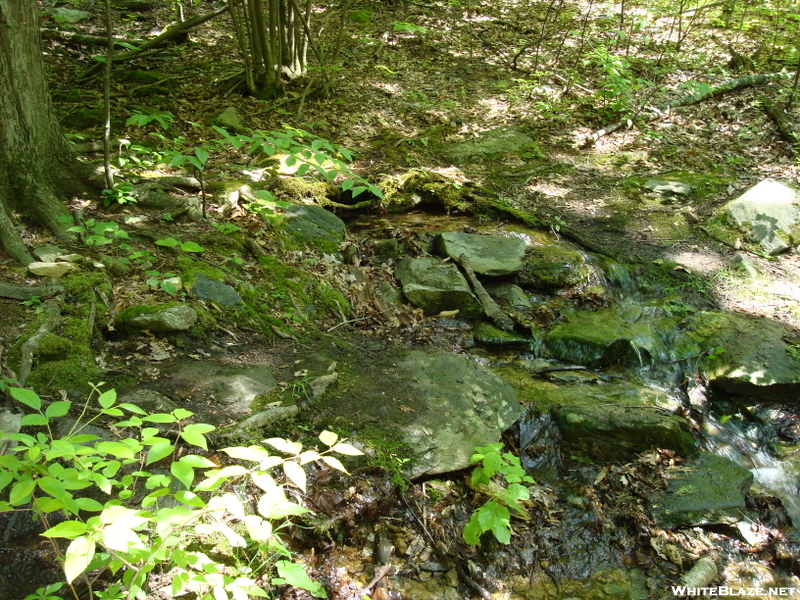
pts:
pixel 410 81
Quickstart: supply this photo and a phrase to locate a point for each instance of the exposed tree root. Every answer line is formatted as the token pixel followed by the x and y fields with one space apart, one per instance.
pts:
pixel 490 308
pixel 52 318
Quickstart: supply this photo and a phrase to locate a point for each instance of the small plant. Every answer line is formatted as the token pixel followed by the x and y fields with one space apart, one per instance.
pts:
pixel 171 242
pixel 120 194
pixel 226 228
pixel 495 515
pixel 793 350
pixel 408 27
pixel 140 119
pixel 99 233
pixel 162 281
pixel 178 523
pixel 618 85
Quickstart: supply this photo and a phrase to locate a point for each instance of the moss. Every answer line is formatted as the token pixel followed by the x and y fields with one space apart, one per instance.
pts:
pixel 141 309
pixel 205 323
pixel 73 373
pixel 52 346
pixel 298 188
pixel 191 268
pixel 81 286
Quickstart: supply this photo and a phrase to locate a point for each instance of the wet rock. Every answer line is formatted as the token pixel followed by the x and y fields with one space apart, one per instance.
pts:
pixel 216 291
pixel 52 269
pixel 467 406
pixel 609 433
pixel 492 255
pixel 311 224
pixel 172 318
pixel 766 216
pixel 509 295
pixel 606 337
pixel 751 358
pixel 435 286
pixel 707 490
pixel 491 336
pixel 553 267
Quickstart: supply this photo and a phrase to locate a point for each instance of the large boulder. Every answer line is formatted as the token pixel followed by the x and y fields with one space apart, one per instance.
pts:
pixel 435 286
pixel 311 224
pixel 705 491
pixel 742 355
pixel 463 405
pixel 178 317
pixel 767 216
pixel 492 255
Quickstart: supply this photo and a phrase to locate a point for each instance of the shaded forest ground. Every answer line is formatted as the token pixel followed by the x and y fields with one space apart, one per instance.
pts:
pixel 411 81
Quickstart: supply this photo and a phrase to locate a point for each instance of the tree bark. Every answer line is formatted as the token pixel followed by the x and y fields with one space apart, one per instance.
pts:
pixel 37 165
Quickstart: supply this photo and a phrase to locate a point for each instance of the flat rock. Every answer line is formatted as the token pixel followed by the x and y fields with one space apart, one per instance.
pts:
pixel 667 187
pixel 492 255
pixel 705 491
pixel 68 16
pixel 311 224
pixel 52 269
pixel 491 143
pixel 552 267
pixel 216 291
pixel 435 286
pixel 172 318
pixel 467 406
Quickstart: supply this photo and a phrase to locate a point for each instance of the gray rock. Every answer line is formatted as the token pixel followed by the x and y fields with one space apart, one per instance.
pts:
pixel 468 406
pixel 233 388
pixel 605 432
pixel 488 254
pixel 149 401
pixel 174 318
pixel 312 224
pixel 754 359
pixel 69 16
pixel 667 187
pixel 744 264
pixel 492 142
pixel 768 215
pixel 707 490
pixel 52 269
pixel 216 291
pixel 435 286
pixel 48 253
pixel 508 294
pixel 229 119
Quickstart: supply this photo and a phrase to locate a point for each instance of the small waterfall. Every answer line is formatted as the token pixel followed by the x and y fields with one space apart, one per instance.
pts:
pixel 750 442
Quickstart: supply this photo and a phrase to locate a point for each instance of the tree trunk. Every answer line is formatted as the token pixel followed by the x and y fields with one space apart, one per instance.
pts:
pixel 37 166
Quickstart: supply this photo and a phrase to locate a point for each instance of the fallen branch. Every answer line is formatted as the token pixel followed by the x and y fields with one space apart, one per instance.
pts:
pixel 490 308
pixel 729 86
pixel 783 123
pixel 81 38
pixel 148 46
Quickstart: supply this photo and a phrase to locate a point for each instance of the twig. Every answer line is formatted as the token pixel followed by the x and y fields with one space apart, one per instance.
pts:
pixel 356 320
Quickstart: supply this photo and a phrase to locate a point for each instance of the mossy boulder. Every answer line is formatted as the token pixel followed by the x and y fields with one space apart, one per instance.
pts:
pixel 553 267
pixel 435 286
pixel 174 317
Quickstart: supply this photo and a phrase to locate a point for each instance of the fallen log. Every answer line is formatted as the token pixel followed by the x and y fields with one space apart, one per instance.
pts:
pixel 783 123
pixel 662 109
pixel 83 39
pixel 27 292
pixel 490 307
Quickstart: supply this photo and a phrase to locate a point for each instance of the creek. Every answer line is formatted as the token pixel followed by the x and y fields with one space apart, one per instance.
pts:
pixel 596 333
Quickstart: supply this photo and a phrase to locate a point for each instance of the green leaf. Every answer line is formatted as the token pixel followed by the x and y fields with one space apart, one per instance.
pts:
pixel 295 575
pixel 182 413
pixel 357 190
pixel 296 474
pixel 21 492
pixel 286 446
pixel 58 409
pixel 79 554
pixel 334 463
pixel 36 420
pixel 193 434
pixel 195 163
pixel 6 477
pixel 291 161
pixel 346 153
pixel 168 241
pixel 158 451
pixel 472 530
pixel 108 398
pixel 27 397
pixel 251 453
pixel 202 155
pixel 347 450
pixel 89 504
pixel 116 449
pixel 320 159
pixel 191 247
pixel 66 529
pixel 161 418
pixel 302 170
pixel 132 408
pixel 183 472
pixel 189 498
